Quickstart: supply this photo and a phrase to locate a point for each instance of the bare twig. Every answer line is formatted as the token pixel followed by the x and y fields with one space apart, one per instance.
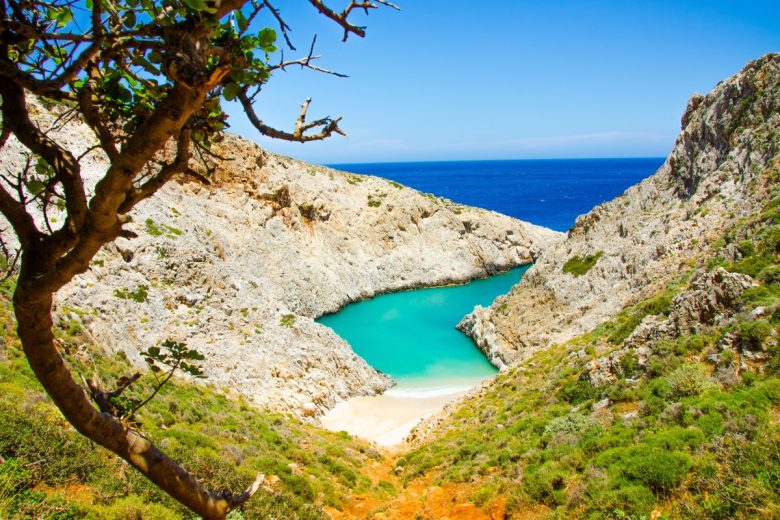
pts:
pixel 342 18
pixel 282 24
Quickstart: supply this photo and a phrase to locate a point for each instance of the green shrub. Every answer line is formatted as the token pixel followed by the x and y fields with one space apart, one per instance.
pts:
pixel 152 228
pixel 140 295
pixel 573 423
pixel 692 344
pixel 484 494
pixel 579 266
pixel 753 333
pixel 747 248
pixel 686 381
pixel 659 469
pixel 629 501
pixel 769 388
pixel 629 364
pixel 546 484
pixel 134 508
pixel 575 392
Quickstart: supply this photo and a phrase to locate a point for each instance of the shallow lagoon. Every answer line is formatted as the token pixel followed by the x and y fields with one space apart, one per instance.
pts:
pixel 411 335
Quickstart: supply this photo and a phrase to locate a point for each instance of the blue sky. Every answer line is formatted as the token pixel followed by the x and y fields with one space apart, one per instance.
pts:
pixel 459 80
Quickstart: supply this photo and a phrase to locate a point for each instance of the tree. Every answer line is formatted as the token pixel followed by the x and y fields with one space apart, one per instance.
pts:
pixel 148 78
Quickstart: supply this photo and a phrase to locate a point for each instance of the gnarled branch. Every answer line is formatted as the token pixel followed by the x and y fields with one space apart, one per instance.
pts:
pixel 342 18
pixel 329 126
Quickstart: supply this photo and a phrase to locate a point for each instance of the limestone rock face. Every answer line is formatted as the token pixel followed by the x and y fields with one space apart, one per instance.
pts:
pixel 240 268
pixel 714 175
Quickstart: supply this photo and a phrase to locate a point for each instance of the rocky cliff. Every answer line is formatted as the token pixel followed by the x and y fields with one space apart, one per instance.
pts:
pixel 627 249
pixel 240 268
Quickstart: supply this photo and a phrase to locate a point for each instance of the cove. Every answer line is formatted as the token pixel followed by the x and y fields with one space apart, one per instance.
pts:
pixel 411 335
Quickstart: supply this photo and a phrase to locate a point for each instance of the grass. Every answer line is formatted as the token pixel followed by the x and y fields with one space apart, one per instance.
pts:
pixel 579 266
pixel 156 230
pixel 287 320
pixel 140 294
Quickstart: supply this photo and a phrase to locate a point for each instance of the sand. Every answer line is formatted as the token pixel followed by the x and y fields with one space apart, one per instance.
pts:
pixel 387 419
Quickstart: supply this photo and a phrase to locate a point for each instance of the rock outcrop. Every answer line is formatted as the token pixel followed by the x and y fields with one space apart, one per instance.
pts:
pixel 241 268
pixel 625 250
pixel 712 298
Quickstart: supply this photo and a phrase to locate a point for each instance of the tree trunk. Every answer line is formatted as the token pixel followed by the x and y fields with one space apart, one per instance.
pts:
pixel 34 317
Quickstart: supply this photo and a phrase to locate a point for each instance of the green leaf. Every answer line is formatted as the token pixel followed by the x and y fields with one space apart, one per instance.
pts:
pixel 231 90
pixel 129 19
pixel 35 186
pixel 199 5
pixel 42 167
pixel 155 57
pixel 153 351
pixel 266 39
pixel 242 21
pixel 63 16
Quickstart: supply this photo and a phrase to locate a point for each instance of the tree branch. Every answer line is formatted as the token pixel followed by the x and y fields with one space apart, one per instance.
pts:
pixel 66 167
pixel 342 18
pixel 33 313
pixel 93 120
pixel 165 174
pixel 329 126
pixel 282 24
pixel 22 222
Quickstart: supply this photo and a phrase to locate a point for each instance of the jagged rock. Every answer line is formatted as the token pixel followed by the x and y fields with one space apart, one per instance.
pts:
pixel 709 296
pixel 721 168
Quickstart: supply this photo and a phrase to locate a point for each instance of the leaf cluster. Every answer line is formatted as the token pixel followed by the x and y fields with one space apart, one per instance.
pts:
pixel 174 355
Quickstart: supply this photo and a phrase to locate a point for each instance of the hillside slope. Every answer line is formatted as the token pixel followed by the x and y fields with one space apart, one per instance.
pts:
pixel 669 407
pixel 240 268
pixel 627 249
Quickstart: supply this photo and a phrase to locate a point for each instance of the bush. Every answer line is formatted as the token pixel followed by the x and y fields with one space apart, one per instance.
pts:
pixel 576 392
pixel 753 333
pixel 629 364
pixel 573 423
pixel 579 266
pixel 686 381
pixel 770 389
pixel 630 501
pixel 659 469
pixel 132 507
pixel 546 484
pixel 288 320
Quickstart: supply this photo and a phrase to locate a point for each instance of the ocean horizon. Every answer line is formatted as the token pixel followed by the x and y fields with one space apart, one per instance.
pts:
pixel 546 192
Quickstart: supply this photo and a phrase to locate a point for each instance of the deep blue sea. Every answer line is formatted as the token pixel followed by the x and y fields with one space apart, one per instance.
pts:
pixel 550 192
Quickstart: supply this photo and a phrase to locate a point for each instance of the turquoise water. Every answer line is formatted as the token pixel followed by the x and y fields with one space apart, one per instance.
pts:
pixel 411 335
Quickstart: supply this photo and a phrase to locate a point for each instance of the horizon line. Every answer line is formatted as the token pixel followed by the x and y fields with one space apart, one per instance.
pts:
pixel 495 160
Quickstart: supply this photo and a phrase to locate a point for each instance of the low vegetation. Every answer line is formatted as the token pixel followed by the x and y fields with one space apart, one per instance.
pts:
pixel 579 266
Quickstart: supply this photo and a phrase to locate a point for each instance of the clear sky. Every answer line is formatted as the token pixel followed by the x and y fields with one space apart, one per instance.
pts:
pixel 459 80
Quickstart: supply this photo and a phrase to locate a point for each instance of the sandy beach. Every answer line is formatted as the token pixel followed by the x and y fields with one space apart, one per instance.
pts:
pixel 387 419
